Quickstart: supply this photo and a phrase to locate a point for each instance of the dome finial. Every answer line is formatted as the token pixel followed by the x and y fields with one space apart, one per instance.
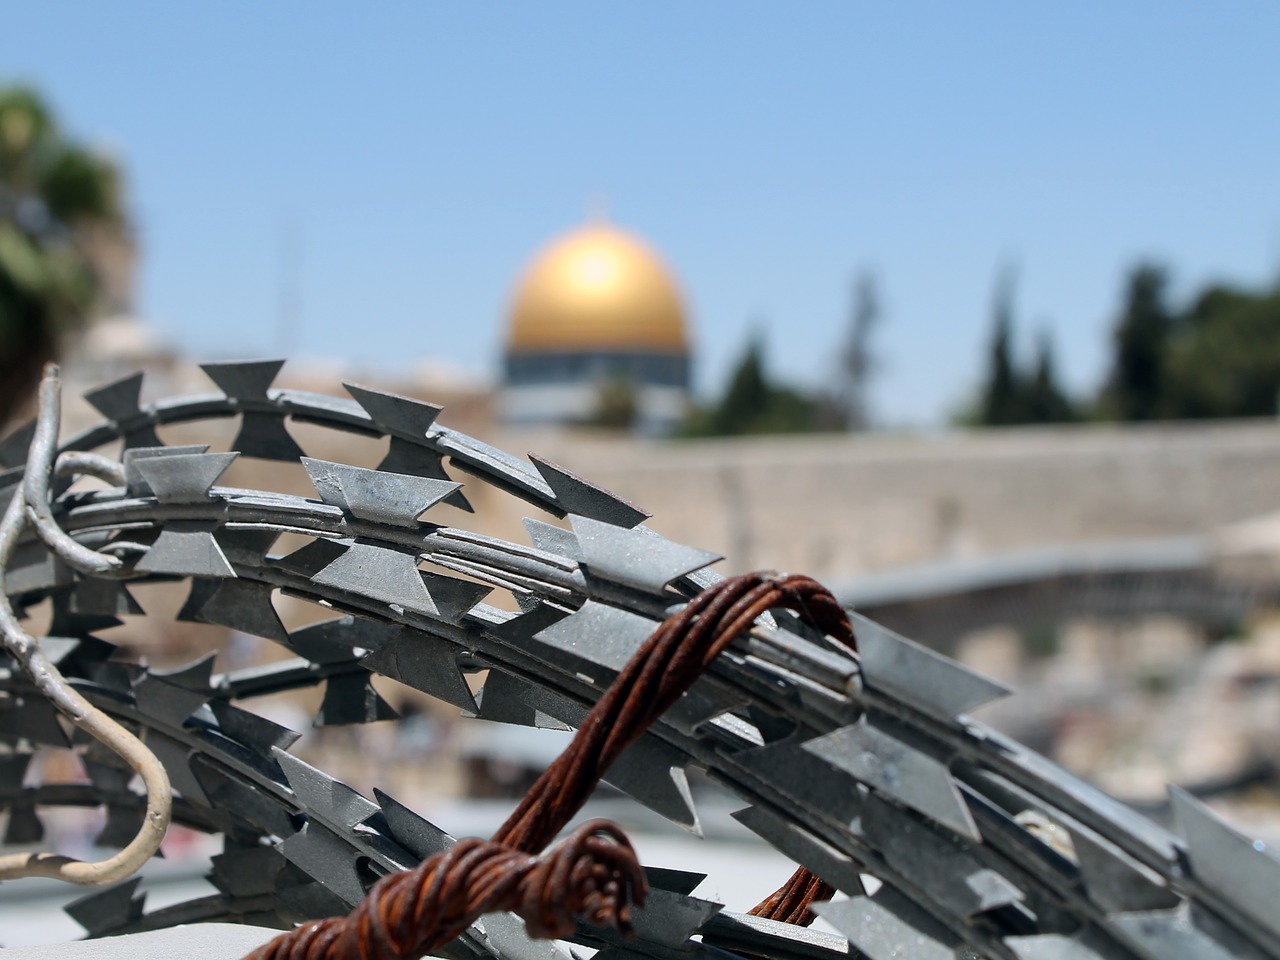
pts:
pixel 598 209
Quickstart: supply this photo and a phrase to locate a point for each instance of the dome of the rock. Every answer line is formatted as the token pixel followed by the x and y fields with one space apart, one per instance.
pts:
pixel 597 288
pixel 596 320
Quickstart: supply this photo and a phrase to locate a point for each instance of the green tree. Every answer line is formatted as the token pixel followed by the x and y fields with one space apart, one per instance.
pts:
pixel 1136 386
pixel 1002 397
pixel 1010 393
pixel 1045 401
pixel 1225 359
pixel 751 404
pixel 53 194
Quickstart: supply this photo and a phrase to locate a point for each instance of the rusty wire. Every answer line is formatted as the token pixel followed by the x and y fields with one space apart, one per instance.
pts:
pixel 594 874
pixel 790 902
pixel 662 669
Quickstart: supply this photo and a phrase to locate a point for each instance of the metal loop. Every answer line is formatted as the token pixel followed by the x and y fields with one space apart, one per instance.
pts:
pixel 26 651
pixel 35 484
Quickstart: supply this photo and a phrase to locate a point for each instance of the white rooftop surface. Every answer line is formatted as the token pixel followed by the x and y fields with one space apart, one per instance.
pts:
pixel 205 941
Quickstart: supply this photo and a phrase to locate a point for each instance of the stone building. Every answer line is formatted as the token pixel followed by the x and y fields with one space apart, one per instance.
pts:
pixel 597 318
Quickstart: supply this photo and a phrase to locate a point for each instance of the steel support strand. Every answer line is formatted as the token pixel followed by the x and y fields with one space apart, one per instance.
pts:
pixel 26 651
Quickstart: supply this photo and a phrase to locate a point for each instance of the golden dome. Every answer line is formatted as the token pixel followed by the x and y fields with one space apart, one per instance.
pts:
pixel 597 288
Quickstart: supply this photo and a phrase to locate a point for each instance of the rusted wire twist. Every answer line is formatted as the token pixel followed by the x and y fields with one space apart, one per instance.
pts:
pixel 663 668
pixel 594 873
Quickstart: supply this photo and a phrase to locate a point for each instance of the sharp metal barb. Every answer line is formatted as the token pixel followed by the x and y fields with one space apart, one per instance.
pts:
pixel 425 663
pixel 837 868
pixel 247 546
pixel 243 379
pixel 945 869
pixel 553 539
pixel 1056 946
pixel 887 926
pixel 243 605
pixel 1116 882
pixel 392 498
pixel 505 699
pixel 184 477
pixel 246 871
pixel 101 910
pixel 1182 934
pixel 104 597
pixel 1247 871
pixel 393 578
pixel 324 855
pixel 32 718
pixel 335 641
pixel 258 733
pixel 576 495
pixel 638 558
pixel 597 640
pixel 265 437
pixel 806 780
pixel 176 696
pixel 877 758
pixel 394 413
pixel 653 773
pixel 174 754
pixel 118 401
pixel 406 457
pixel 137 483
pixel 683 882
pixel 310 559
pixel 186 550
pixel 320 793
pixel 351 698
pixel 123 823
pixel 416 834
pixel 24 826
pixel 670 919
pixel 923 678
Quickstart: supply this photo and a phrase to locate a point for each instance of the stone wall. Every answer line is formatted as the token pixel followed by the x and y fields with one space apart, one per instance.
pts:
pixel 832 505
pixel 840 505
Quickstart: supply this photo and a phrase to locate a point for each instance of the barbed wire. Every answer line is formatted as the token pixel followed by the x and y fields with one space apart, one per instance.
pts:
pixel 29 506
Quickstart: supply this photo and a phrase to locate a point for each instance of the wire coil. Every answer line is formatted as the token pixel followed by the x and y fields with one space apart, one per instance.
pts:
pixel 593 875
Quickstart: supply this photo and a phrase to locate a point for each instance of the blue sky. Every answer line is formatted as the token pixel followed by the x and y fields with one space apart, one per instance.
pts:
pixel 423 151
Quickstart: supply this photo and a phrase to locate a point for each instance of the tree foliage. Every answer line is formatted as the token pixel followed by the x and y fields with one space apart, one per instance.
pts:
pixel 1045 400
pixel 1216 356
pixel 51 191
pixel 1012 394
pixel 1001 396
pixel 1224 360
pixel 1135 389
pixel 753 404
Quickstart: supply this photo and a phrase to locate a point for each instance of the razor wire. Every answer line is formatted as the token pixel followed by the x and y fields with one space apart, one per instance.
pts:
pixel 852 767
